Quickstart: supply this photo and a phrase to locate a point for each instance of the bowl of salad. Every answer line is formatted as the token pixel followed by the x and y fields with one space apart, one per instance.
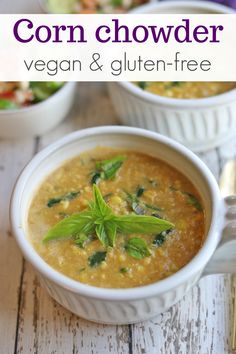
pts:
pixel 33 108
pixel 89 6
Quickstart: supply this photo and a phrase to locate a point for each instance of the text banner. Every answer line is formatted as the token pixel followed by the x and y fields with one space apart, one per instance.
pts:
pixel 117 47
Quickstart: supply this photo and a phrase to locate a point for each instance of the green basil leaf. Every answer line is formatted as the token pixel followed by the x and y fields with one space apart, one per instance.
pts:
pixel 111 228
pixel 102 234
pixel 137 248
pixel 71 226
pixel 100 206
pixel 161 238
pixel 194 201
pixel 69 196
pixel 139 191
pixel 110 167
pixel 141 224
pixel 135 204
pixel 106 233
pixel 191 198
pixel 51 202
pixel 97 258
pixel 142 84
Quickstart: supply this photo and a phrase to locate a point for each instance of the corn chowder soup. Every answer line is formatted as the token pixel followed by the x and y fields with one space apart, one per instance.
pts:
pixel 116 219
pixel 187 90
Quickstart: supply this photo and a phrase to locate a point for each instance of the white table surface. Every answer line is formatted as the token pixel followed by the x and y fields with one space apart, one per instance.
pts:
pixel 31 322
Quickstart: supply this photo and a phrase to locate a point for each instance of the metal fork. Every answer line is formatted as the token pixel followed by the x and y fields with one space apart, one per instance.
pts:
pixel 228 187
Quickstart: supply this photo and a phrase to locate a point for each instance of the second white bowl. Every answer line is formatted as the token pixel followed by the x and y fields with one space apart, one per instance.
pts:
pixel 200 124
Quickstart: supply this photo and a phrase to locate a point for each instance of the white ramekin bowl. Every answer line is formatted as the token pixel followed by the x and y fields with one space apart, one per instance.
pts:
pixel 119 306
pixel 39 118
pixel 200 124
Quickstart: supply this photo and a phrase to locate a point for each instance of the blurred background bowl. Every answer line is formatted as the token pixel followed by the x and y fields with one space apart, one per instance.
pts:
pixel 39 118
pixel 93 6
pixel 201 123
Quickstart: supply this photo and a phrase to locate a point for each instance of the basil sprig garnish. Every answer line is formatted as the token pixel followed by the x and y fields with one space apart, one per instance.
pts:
pixel 99 219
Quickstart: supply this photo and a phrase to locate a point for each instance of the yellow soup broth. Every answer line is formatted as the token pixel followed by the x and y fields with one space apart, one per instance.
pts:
pixel 187 90
pixel 157 189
